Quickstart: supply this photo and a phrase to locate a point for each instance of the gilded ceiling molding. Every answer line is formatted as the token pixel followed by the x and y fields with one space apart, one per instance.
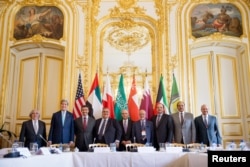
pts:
pixel 40 2
pixel 126 4
pixel 128 36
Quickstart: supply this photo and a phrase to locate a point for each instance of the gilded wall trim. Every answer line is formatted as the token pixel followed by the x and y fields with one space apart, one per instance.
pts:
pixel 232 129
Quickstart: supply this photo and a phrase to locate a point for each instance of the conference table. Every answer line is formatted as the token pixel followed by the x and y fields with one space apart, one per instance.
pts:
pixel 110 159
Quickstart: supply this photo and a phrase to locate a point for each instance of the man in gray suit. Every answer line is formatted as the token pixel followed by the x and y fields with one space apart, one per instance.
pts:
pixel 207 130
pixel 184 130
pixel 84 130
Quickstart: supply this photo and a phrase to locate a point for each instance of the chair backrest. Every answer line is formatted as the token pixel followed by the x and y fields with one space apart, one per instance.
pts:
pixel 177 145
pixel 133 146
pixel 97 145
pixel 58 145
pixel 196 145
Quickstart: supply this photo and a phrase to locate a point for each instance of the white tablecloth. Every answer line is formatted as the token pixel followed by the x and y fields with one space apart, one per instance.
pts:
pixel 112 159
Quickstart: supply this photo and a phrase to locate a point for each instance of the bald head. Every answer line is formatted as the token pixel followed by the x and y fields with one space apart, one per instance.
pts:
pixel 142 114
pixel 204 109
pixel 125 114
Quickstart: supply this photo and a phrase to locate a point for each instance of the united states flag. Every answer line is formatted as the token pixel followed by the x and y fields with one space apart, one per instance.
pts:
pixel 79 100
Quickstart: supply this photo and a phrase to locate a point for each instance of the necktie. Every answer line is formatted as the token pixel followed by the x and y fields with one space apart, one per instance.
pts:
pixel 125 126
pixel 182 119
pixel 101 132
pixel 84 123
pixel 158 120
pixel 205 121
pixel 63 117
pixel 35 126
pixel 143 125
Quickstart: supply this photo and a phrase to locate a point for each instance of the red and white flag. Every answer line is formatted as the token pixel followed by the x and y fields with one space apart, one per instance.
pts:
pixel 133 104
pixel 107 98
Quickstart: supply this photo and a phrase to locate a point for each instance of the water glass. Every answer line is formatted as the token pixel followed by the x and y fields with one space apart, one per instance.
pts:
pixel 148 144
pixel 33 148
pixel 14 147
pixel 20 144
pixel 162 147
pixel 113 147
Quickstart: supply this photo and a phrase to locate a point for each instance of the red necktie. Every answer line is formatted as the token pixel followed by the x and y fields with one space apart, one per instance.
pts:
pixel 84 123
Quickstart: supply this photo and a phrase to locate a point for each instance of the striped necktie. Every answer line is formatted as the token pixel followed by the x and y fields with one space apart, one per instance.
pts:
pixel 205 121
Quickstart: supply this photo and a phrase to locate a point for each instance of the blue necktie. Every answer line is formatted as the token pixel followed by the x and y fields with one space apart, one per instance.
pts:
pixel 63 116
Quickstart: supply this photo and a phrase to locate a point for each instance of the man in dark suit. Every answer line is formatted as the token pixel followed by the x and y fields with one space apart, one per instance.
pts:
pixel 126 125
pixel 107 130
pixel 163 126
pixel 32 129
pixel 207 130
pixel 142 130
pixel 84 130
pixel 62 126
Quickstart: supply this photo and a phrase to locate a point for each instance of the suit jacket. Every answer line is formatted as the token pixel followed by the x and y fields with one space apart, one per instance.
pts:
pixel 207 135
pixel 126 136
pixel 28 135
pixel 137 129
pixel 185 132
pixel 84 137
pixel 112 131
pixel 164 131
pixel 60 133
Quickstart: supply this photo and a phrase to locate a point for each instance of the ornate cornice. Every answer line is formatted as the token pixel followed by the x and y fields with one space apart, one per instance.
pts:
pixel 40 2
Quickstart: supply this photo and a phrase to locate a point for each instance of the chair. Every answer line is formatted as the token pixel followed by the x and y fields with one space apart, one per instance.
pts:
pixel 58 145
pixel 177 145
pixel 63 147
pixel 133 146
pixel 196 145
pixel 92 146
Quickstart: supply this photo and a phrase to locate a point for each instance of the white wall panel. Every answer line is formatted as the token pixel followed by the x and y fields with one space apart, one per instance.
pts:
pixel 202 81
pixel 228 87
pixel 28 85
pixel 51 86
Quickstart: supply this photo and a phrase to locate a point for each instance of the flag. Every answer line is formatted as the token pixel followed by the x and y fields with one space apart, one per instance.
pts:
pixel 79 100
pixel 133 106
pixel 120 102
pixel 94 100
pixel 161 96
pixel 175 96
pixel 107 98
pixel 146 102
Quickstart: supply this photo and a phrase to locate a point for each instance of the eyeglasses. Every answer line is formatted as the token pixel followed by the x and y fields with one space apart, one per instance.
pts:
pixel 105 111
